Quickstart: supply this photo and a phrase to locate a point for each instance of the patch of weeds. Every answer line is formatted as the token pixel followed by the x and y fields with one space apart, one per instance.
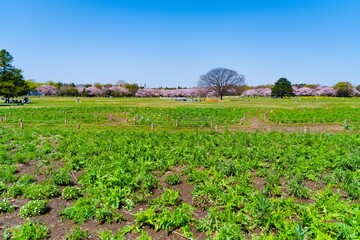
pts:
pixel 169 220
pixel 70 193
pixel 144 236
pixel 3 188
pixel 61 177
pixel 129 204
pixel 77 234
pixel 44 190
pixel 168 198
pixel 7 173
pixel 228 167
pixel 82 210
pixel 26 179
pixel 14 191
pixel 28 231
pixel 106 235
pixel 229 231
pixel 297 188
pixel 103 215
pixel 173 179
pixel 33 208
pixel 6 206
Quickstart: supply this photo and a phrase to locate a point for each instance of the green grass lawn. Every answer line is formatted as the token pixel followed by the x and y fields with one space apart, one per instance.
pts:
pixel 307 102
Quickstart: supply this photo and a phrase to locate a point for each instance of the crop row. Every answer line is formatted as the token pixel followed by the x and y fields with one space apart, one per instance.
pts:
pixel 190 117
pixel 338 115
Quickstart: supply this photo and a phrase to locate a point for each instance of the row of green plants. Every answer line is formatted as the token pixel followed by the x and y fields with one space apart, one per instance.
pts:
pixel 187 117
pixel 348 117
pixel 308 183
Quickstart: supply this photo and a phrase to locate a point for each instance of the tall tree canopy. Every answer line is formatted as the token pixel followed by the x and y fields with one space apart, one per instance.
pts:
pixel 282 88
pixel 12 83
pixel 343 89
pixel 220 80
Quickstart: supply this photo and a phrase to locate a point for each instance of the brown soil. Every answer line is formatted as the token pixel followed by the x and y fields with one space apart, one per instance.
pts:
pixel 254 124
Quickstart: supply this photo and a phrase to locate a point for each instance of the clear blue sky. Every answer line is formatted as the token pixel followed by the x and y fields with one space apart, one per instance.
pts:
pixel 173 42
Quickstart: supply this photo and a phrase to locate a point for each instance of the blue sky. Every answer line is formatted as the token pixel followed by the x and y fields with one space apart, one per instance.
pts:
pixel 173 42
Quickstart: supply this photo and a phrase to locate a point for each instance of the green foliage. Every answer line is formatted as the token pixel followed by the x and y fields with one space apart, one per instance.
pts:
pixel 6 206
pixel 239 178
pixel 12 83
pixel 44 190
pixel 14 191
pixel 229 231
pixel 144 236
pixel 26 179
pixel 70 193
pixel 81 211
pixel 282 88
pixel 29 231
pixel 3 188
pixel 61 177
pixel 297 188
pixel 7 173
pixel 104 215
pixel 168 198
pixel 77 234
pixel 167 219
pixel 343 89
pixel 33 208
pixel 173 179
pixel 179 217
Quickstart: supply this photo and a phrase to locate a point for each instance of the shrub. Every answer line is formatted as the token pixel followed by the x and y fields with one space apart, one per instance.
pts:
pixel 33 208
pixel 6 206
pixel 29 231
pixel 70 193
pixel 173 179
pixel 77 234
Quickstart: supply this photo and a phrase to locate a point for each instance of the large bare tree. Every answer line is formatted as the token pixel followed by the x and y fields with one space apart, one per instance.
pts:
pixel 220 80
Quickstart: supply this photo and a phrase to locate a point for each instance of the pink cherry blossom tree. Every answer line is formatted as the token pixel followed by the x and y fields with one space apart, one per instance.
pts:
pixel 47 90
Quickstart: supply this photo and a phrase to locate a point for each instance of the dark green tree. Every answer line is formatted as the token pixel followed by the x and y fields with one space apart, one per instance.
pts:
pixel 282 88
pixel 12 83
pixel 132 88
pixel 343 89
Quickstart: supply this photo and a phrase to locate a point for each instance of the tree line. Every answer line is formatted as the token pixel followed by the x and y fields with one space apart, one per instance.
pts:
pixel 218 82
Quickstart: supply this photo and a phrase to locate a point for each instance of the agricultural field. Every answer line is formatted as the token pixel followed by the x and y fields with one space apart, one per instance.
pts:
pixel 135 168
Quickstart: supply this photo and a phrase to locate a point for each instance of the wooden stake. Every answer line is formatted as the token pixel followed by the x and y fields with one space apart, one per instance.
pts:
pixel 78 126
pixel 152 127
pixel 176 123
pixel 216 128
